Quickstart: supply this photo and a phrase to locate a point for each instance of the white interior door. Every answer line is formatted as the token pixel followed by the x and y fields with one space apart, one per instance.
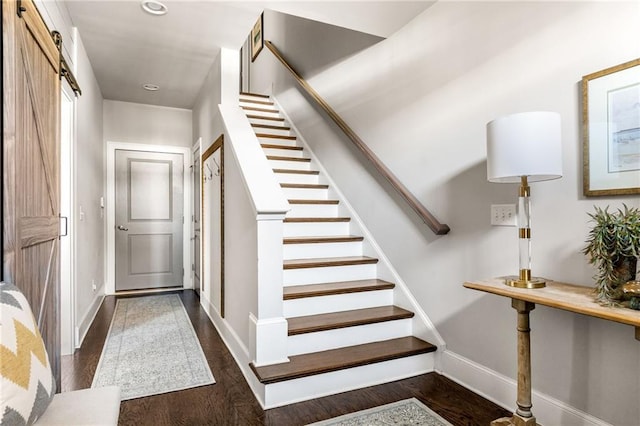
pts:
pixel 148 220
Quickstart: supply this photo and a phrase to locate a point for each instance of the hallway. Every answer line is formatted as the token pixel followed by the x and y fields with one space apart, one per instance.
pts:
pixel 230 401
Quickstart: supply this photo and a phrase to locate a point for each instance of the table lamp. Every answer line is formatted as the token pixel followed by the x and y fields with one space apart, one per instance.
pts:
pixel 522 148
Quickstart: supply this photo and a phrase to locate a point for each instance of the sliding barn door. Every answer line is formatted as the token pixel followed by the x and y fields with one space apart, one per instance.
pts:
pixel 31 155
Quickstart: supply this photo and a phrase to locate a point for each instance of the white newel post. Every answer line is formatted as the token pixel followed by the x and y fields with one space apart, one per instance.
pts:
pixel 269 325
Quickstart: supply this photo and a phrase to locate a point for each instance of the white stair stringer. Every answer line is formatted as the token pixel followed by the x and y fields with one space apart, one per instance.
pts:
pixel 308 180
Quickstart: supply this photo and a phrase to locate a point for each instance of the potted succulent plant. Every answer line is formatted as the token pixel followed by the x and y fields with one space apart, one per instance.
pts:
pixel 613 246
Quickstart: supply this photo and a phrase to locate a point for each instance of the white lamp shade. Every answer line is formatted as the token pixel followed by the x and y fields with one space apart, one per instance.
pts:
pixel 524 144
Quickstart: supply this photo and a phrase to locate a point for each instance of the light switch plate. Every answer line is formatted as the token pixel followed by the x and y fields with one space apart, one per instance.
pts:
pixel 503 215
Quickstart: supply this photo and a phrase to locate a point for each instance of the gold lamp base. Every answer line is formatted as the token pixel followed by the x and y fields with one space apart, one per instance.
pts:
pixel 525 280
pixel 532 283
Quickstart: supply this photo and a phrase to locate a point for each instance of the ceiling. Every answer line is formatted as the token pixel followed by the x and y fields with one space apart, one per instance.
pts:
pixel 128 47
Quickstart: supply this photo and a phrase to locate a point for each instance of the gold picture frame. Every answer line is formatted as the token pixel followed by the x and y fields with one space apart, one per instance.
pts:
pixel 257 37
pixel 611 130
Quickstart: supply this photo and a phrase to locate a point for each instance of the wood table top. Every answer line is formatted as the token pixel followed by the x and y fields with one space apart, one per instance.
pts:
pixel 569 297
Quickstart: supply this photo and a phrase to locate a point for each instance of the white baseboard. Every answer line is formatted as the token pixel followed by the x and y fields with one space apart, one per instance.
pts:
pixel 502 390
pixel 238 350
pixel 87 319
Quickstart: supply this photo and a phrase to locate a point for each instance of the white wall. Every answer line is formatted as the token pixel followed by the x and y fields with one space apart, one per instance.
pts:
pixel 147 124
pixel 241 267
pixel 206 116
pixel 89 184
pixel 56 16
pixel 311 47
pixel 421 100
pixel 240 225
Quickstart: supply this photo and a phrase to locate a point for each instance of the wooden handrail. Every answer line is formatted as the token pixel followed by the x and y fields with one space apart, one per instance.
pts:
pixel 426 216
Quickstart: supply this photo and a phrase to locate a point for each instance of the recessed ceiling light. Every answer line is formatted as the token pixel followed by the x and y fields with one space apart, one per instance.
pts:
pixel 154 7
pixel 151 87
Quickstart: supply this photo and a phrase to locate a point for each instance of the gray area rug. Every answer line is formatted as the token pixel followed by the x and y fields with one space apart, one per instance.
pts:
pixel 151 348
pixel 406 412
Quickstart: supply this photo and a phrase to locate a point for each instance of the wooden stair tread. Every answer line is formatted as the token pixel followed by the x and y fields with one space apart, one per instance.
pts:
pixel 260 117
pixel 255 94
pixel 305 201
pixel 323 239
pixel 329 289
pixel 297 172
pixel 316 219
pixel 275 146
pixel 342 358
pixel 269 135
pixel 273 111
pixel 269 126
pixel 343 319
pixel 304 185
pixel 283 158
pixel 323 262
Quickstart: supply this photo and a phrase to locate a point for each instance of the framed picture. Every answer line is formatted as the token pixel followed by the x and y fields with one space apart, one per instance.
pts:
pixel 611 130
pixel 257 38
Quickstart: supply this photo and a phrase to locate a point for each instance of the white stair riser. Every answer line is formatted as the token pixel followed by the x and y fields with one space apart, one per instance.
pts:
pixel 288 392
pixel 280 132
pixel 270 114
pixel 264 121
pixel 313 210
pixel 306 193
pixel 290 165
pixel 296 178
pixel 244 97
pixel 278 141
pixel 348 336
pixel 316 250
pixel 284 152
pixel 337 303
pixel 315 229
pixel 328 274
pixel 256 104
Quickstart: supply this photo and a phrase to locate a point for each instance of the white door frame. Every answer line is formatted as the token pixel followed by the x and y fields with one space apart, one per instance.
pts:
pixel 110 267
pixel 68 334
pixel 196 149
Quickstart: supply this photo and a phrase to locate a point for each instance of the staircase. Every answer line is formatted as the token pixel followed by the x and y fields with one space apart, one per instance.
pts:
pixel 344 330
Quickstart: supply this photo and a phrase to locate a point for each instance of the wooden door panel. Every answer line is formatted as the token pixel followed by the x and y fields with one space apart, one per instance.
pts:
pixel 31 146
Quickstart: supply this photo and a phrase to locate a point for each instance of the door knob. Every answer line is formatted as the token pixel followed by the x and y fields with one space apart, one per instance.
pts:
pixel 122 228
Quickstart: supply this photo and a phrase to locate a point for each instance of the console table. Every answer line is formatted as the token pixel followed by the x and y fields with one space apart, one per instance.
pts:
pixel 568 297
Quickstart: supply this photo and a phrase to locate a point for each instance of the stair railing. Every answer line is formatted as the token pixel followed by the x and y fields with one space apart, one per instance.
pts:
pixel 424 214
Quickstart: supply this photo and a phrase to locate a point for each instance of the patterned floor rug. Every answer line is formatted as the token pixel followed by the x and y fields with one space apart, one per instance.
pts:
pixel 151 348
pixel 402 413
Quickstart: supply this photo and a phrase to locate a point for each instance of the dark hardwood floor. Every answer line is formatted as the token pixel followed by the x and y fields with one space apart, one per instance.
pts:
pixel 231 402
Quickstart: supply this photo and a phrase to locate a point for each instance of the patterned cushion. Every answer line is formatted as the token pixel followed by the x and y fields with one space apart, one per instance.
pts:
pixel 25 374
